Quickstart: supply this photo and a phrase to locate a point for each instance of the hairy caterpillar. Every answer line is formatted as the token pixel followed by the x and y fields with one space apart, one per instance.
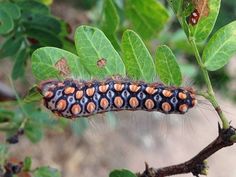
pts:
pixel 71 98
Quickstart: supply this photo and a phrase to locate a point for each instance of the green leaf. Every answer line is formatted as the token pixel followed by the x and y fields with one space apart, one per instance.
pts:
pixel 148 17
pixel 110 22
pixel 46 172
pixel 44 64
pixel 138 61
pixel 33 6
pixel 5 115
pixel 122 173
pixel 43 37
pixel 12 9
pixel 176 5
pixel 32 95
pixel 92 47
pixel 34 132
pixel 220 47
pixel 167 66
pixel 27 164
pixel 6 22
pixel 3 154
pixel 31 20
pixel 207 20
pixel 11 46
pixel 19 65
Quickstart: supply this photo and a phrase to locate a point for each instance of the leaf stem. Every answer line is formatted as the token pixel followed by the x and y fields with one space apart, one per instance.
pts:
pixel 210 95
pixel 25 119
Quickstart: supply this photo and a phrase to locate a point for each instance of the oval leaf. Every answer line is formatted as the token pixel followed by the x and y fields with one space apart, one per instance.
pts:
pixel 11 45
pixel 122 173
pixel 148 17
pixel 19 65
pixel 208 12
pixel 167 67
pixel 138 61
pixel 33 6
pixel 32 95
pixel 34 132
pixel 220 48
pixel 110 22
pixel 46 172
pixel 50 62
pixel 6 22
pixel 43 37
pixel 12 9
pixel 97 53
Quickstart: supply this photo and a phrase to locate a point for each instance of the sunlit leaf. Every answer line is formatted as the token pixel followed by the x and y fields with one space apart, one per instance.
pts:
pixel 167 66
pixel 50 62
pixel 138 61
pixel 220 48
pixel 92 48
pixel 208 12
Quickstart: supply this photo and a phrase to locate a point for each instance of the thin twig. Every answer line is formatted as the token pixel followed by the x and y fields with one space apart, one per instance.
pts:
pixel 196 165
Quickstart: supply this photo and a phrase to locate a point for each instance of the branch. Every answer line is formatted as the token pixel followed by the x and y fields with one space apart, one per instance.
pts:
pixel 196 165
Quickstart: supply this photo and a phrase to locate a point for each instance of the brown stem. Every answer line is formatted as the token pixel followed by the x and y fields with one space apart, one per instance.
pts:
pixel 196 164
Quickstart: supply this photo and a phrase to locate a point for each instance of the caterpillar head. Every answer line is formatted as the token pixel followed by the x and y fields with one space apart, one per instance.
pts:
pixel 46 87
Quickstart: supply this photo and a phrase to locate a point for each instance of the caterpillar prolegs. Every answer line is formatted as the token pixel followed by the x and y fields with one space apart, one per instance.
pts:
pixel 71 98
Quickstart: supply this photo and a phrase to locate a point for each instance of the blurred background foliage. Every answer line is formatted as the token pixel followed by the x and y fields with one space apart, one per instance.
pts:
pixel 26 25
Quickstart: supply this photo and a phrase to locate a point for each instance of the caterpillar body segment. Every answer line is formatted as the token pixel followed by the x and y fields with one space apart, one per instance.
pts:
pixel 71 98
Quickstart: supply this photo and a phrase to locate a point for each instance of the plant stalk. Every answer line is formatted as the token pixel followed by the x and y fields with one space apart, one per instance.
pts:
pixel 210 92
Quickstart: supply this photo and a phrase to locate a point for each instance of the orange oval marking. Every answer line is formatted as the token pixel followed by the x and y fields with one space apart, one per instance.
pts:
pixel 90 91
pixel 118 101
pixel 75 109
pixel 194 102
pixel 61 105
pixel 103 88
pixel 182 95
pixel 48 94
pixel 79 94
pixel 118 87
pixel 183 108
pixel 104 103
pixel 167 93
pixel 91 107
pixel 134 88
pixel 166 107
pixel 133 102
pixel 149 104
pixel 69 90
pixel 151 90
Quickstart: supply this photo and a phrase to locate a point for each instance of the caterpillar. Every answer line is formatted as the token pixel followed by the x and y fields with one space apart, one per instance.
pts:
pixel 72 98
